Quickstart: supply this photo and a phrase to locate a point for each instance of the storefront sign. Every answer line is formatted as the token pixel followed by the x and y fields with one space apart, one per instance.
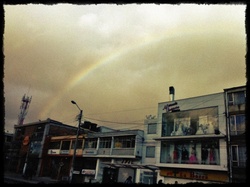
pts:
pixel 90 152
pixel 76 172
pixel 88 172
pixel 64 151
pixel 53 151
pixel 195 175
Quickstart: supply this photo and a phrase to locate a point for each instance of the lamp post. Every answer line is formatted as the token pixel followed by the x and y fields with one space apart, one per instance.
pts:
pixel 76 141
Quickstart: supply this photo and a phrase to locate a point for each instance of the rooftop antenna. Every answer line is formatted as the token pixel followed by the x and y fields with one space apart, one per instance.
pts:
pixel 24 109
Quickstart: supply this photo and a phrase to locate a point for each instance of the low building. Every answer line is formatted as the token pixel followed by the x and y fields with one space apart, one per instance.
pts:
pixel 29 144
pixel 101 157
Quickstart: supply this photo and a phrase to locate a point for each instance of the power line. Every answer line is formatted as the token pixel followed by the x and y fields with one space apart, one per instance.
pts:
pixel 119 111
pixel 134 123
pixel 115 121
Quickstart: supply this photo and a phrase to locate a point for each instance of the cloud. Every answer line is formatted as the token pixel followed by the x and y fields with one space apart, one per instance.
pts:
pixel 117 62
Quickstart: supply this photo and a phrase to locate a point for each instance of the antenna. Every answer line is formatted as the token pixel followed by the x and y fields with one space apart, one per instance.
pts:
pixel 24 109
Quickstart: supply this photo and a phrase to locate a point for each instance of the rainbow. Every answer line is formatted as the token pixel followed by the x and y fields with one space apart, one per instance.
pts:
pixel 80 76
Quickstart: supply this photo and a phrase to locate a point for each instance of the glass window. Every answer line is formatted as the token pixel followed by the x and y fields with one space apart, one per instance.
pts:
pixel 152 128
pixel 105 142
pixel 79 144
pixel 190 152
pixel 230 99
pixel 242 156
pixel 191 122
pixel 147 177
pixel 65 145
pixel 236 98
pixel 239 98
pixel 37 136
pixel 124 142
pixel 238 155
pixel 150 151
pixel 55 145
pixel 90 143
pixel 35 147
pixel 237 124
pixel 8 138
pixel 235 155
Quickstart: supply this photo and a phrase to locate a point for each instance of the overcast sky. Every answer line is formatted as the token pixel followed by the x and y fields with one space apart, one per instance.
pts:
pixel 118 61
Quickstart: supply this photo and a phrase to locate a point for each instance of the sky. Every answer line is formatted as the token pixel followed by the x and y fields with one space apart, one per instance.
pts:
pixel 117 61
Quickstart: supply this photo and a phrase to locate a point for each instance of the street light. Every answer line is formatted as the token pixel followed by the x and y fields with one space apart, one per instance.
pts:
pixel 76 141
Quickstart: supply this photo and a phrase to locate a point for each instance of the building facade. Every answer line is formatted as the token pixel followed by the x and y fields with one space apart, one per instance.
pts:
pixel 8 138
pixel 235 105
pixel 29 146
pixel 189 144
pixel 101 157
pixel 198 139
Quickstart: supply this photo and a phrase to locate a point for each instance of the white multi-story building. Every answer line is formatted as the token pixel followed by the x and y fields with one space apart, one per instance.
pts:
pixel 189 145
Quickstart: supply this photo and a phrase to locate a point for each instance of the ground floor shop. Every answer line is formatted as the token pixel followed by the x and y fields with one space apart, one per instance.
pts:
pixel 183 176
pixel 119 171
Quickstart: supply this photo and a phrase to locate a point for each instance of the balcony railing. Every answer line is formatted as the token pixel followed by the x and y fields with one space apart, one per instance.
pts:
pixel 93 151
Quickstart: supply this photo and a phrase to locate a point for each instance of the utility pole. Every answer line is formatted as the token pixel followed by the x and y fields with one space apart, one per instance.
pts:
pixel 76 141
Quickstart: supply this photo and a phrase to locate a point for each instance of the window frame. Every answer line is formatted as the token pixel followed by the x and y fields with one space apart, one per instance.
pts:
pixel 235 98
pixel 55 145
pixel 124 142
pixel 65 145
pixel 152 128
pixel 79 144
pixel 235 121
pixel 90 141
pixel 236 156
pixel 150 152
pixel 105 142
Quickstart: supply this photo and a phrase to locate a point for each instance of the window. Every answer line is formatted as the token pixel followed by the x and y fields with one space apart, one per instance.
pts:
pixel 147 177
pixel 105 143
pixel 8 138
pixel 124 142
pixel 55 145
pixel 238 156
pixel 190 152
pixel 79 144
pixel 152 128
pixel 65 145
pixel 35 147
pixel 37 136
pixel 237 98
pixel 237 124
pixel 150 151
pixel 191 122
pixel 90 143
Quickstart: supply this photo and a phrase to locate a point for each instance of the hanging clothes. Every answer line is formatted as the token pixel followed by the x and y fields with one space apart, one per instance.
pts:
pixel 184 155
pixel 193 159
pixel 175 155
pixel 212 159
pixel 204 155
